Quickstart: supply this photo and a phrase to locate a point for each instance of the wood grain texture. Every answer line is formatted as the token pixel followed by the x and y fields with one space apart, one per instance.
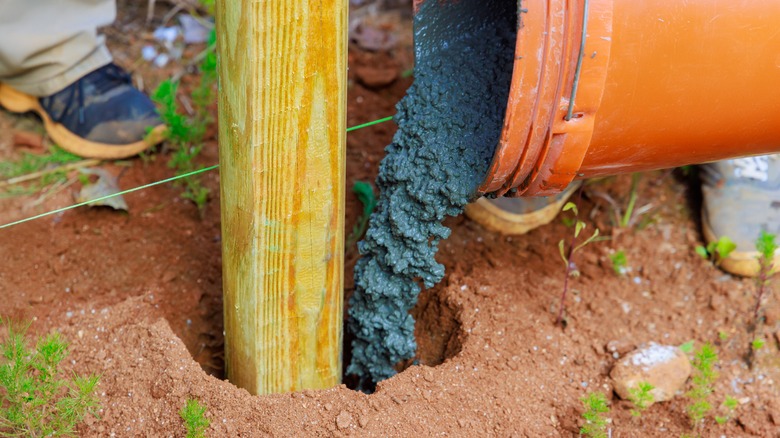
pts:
pixel 282 118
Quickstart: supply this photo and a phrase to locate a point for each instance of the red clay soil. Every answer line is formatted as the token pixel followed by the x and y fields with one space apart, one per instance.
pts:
pixel 138 295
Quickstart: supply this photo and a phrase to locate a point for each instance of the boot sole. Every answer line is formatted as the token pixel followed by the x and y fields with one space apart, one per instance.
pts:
pixel 501 221
pixel 742 263
pixel 18 102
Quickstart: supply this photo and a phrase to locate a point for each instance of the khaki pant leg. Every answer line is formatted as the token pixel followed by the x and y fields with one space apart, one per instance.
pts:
pixel 46 45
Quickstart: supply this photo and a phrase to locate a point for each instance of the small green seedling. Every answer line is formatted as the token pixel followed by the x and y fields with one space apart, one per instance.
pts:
pixel 567 254
pixel 365 193
pixel 641 396
pixel 723 336
pixel 766 247
pixel 728 407
pixel 717 251
pixel 37 400
pixel 596 406
pixel 194 416
pixel 703 381
pixel 619 262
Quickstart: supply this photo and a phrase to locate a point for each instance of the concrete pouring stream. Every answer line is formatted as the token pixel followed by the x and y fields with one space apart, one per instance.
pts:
pixel 448 126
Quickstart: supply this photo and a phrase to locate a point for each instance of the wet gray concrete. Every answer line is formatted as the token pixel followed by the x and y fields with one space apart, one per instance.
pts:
pixel 448 127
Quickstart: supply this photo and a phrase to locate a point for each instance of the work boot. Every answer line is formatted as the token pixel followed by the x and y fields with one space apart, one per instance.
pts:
pixel 741 198
pixel 518 215
pixel 99 116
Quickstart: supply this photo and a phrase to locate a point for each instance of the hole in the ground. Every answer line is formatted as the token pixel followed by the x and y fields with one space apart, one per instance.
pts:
pixel 437 330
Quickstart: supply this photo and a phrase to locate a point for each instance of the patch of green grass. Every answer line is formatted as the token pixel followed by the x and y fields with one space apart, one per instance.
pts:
pixel 186 133
pixel 703 381
pixel 596 406
pixel 194 416
pixel 29 163
pixel 642 397
pixel 36 400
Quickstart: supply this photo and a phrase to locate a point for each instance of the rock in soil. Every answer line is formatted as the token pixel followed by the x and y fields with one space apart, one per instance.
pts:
pixel 664 366
pixel 620 347
pixel 344 420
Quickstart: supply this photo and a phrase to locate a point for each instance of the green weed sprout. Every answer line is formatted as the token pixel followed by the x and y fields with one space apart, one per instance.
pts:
pixel 642 397
pixel 703 380
pixel 766 247
pixel 596 406
pixel 194 416
pixel 365 193
pixel 567 254
pixel 717 251
pixel 729 406
pixel 757 344
pixel 619 262
pixel 36 400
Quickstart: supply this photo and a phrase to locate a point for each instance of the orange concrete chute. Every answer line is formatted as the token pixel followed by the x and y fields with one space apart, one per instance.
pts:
pixel 602 87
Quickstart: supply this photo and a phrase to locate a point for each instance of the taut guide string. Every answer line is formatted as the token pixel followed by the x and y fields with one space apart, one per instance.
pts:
pixel 167 180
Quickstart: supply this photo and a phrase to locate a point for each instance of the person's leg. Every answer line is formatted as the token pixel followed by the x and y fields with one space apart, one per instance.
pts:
pixel 53 62
pixel 47 45
pixel 741 198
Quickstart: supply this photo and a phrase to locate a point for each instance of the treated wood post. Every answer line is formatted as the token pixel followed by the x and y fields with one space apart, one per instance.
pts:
pixel 282 116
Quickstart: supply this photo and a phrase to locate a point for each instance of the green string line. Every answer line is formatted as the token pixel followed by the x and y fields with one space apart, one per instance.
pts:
pixel 366 125
pixel 135 189
pixel 167 180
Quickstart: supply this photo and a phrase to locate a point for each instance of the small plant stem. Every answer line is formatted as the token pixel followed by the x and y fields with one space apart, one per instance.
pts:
pixel 631 200
pixel 754 328
pixel 40 173
pixel 761 289
pixel 569 254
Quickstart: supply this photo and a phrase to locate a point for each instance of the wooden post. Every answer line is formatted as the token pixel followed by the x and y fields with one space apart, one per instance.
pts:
pixel 282 120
